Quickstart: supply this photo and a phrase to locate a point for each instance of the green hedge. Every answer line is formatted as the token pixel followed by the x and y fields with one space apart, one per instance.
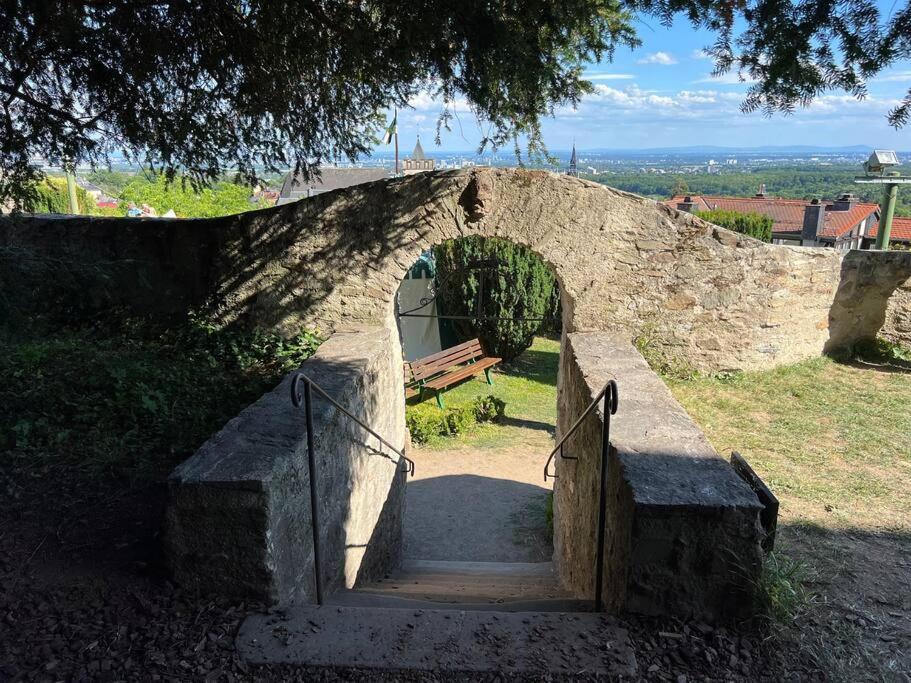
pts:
pixel 520 296
pixel 133 402
pixel 426 422
pixel 752 224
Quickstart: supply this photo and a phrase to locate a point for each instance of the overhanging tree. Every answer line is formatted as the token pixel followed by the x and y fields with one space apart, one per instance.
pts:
pixel 194 88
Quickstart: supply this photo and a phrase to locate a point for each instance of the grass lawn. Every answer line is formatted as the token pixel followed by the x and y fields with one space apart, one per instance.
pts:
pixel 527 384
pixel 832 440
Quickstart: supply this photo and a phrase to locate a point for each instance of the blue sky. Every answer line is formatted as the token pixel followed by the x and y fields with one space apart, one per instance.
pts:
pixel 662 94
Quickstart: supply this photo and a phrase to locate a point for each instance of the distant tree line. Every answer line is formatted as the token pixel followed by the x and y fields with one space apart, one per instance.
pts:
pixel 219 199
pixel 791 183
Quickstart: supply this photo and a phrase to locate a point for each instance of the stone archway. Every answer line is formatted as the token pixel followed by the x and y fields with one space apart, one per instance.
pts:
pixel 719 299
pixel 722 300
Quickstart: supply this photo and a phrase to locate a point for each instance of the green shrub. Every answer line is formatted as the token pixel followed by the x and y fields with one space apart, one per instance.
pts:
pixel 133 402
pixel 427 423
pixel 51 196
pixel 753 224
pixel 882 351
pixel 519 297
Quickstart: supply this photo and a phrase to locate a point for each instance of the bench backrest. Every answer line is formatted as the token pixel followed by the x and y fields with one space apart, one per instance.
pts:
pixel 425 368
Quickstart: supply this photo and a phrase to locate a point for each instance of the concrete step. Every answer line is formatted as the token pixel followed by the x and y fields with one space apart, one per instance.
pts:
pixel 448 641
pixel 470 582
pixel 356 598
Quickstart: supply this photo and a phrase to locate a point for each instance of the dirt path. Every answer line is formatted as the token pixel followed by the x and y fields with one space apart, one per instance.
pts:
pixel 478 505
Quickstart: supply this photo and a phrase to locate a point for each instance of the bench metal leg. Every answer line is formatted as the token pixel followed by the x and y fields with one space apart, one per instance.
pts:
pixel 487 375
pixel 440 399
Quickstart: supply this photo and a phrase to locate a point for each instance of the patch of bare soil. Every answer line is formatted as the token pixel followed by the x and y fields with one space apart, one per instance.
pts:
pixel 478 506
pixel 858 626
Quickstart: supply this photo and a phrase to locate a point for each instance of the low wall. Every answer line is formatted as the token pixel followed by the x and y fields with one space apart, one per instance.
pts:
pixel 708 297
pixel 238 521
pixel 683 533
pixel 873 297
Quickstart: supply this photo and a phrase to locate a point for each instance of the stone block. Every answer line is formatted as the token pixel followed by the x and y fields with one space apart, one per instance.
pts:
pixel 238 520
pixel 683 533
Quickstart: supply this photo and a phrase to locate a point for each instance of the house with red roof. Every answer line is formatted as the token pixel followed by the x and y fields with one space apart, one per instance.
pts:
pixel 844 223
pixel 900 233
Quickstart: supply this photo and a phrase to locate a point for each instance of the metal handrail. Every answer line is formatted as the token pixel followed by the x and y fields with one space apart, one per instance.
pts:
pixel 296 400
pixel 611 403
pixel 306 397
pixel 611 396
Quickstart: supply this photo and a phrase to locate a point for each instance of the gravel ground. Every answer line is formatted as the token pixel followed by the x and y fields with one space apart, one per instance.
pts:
pixel 477 506
pixel 83 597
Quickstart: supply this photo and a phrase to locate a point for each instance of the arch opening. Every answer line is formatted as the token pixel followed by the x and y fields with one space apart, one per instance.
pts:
pixel 481 420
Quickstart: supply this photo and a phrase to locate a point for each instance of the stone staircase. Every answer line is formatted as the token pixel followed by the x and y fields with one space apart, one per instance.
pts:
pixel 504 586
pixel 447 617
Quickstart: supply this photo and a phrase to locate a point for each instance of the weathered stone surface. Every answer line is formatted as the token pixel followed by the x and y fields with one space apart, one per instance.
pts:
pixel 679 519
pixel 683 533
pixel 897 327
pixel 441 641
pixel 239 515
pixel 873 285
pixel 721 300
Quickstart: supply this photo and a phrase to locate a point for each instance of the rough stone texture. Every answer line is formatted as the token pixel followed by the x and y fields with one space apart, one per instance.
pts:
pixel 719 299
pixel 679 519
pixel 897 327
pixel 441 641
pixel 875 288
pixel 238 521
pixel 683 533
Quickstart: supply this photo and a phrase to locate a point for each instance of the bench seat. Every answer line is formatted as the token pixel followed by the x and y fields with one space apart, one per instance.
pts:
pixel 447 367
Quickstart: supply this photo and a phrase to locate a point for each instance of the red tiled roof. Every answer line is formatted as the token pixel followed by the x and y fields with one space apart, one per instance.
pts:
pixel 901 230
pixel 787 214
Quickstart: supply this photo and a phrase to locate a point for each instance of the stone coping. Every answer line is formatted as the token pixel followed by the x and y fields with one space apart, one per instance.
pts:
pixel 667 459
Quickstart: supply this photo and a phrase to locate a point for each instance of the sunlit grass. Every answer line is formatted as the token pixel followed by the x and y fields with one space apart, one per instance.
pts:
pixel 528 385
pixel 832 440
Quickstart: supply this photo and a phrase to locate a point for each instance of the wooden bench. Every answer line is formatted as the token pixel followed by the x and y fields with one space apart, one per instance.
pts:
pixel 448 367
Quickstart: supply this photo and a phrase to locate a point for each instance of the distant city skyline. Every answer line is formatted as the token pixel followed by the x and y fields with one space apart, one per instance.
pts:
pixel 663 95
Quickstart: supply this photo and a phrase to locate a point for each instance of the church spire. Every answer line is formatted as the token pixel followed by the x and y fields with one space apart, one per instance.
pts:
pixel 573 169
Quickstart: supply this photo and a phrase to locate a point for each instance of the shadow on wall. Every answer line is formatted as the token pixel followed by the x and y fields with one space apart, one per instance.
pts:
pixel 271 279
pixel 239 513
pixel 868 280
pixel 242 268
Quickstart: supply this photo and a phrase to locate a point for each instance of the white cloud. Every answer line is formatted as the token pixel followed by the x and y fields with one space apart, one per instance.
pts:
pixel 729 78
pixel 662 58
pixel 607 107
pixel 428 102
pixel 700 54
pixel 895 76
pixel 607 77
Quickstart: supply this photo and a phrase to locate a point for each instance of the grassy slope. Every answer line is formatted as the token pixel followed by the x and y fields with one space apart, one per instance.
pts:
pixel 832 440
pixel 529 387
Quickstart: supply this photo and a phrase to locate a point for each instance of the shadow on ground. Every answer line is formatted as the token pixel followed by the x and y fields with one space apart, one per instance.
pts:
pixel 856 622
pixel 538 366
pixel 471 518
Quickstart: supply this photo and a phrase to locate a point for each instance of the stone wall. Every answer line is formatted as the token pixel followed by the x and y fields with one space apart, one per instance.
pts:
pixel 238 520
pixel 683 533
pixel 897 327
pixel 872 297
pixel 718 299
